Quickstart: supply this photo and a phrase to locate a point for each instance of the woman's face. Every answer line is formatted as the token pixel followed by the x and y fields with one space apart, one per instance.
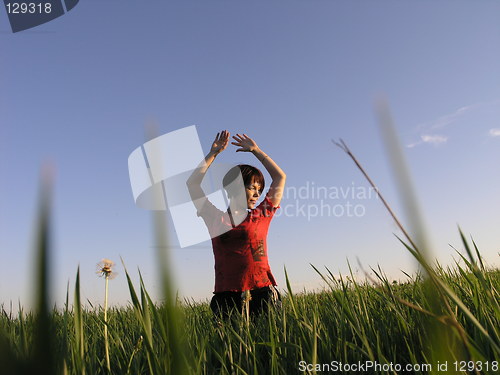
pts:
pixel 253 193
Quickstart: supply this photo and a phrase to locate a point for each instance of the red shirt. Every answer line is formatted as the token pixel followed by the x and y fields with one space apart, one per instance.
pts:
pixel 240 252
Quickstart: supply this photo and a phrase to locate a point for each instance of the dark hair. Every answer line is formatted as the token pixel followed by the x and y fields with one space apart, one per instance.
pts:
pixel 248 172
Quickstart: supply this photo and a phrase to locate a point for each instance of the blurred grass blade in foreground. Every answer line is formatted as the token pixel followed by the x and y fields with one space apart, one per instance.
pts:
pixel 447 338
pixel 176 358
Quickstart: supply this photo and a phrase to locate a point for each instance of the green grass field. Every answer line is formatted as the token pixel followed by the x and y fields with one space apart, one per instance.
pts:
pixel 350 323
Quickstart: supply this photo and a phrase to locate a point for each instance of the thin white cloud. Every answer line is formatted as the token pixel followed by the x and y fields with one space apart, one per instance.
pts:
pixel 494 132
pixel 433 139
pixel 450 118
pixel 446 120
pixel 411 145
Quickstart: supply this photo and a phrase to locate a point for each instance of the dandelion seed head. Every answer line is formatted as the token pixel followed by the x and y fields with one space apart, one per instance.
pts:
pixel 105 269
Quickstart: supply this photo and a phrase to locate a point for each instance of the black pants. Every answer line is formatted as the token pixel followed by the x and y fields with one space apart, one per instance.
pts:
pixel 226 303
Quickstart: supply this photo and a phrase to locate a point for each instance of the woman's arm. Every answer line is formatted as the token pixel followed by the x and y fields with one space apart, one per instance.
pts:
pixel 194 181
pixel 247 144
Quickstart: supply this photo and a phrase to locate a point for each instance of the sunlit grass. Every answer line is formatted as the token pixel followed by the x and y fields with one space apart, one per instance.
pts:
pixel 350 321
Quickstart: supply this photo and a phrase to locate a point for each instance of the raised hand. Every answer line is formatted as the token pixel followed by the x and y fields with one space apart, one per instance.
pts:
pixel 220 142
pixel 245 143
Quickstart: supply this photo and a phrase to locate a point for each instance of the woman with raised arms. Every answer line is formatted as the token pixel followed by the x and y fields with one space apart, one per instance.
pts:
pixel 243 278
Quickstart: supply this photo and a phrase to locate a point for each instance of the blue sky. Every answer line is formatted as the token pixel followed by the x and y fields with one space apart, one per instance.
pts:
pixel 79 91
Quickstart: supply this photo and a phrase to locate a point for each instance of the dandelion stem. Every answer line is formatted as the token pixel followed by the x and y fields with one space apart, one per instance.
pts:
pixel 106 345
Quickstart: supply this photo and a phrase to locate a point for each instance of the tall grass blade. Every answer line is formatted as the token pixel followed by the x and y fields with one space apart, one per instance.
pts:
pixel 79 352
pixel 176 360
pixel 43 362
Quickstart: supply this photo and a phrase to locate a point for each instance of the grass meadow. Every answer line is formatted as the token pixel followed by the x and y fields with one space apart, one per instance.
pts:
pixel 379 326
pixel 439 321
